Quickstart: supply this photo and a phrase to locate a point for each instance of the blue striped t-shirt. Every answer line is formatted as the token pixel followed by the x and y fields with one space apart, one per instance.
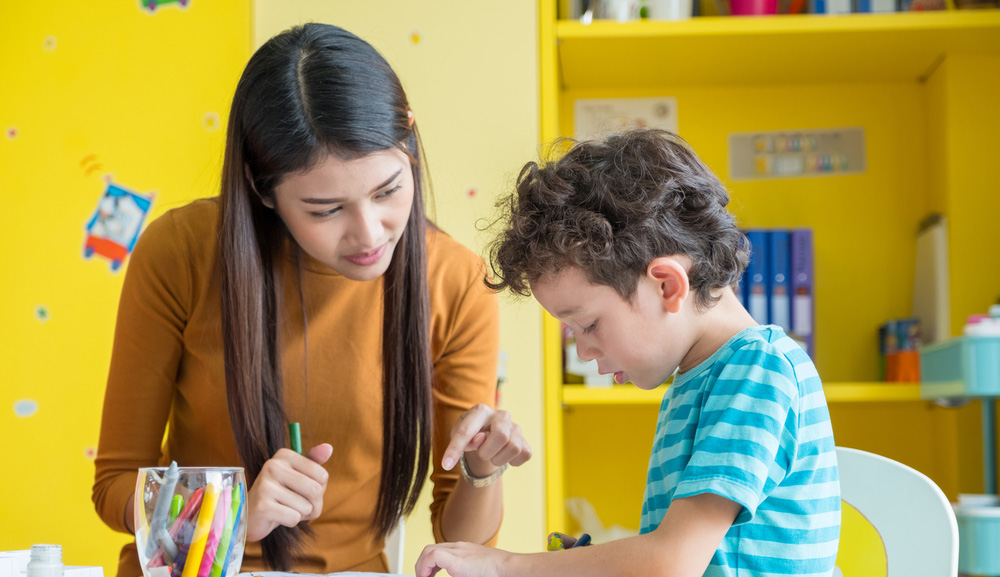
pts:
pixel 751 424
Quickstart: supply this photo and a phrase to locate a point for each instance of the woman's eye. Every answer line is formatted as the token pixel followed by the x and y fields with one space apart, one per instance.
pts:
pixel 590 329
pixel 389 192
pixel 326 213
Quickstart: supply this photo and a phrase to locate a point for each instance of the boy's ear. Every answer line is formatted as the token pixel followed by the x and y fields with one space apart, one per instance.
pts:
pixel 671 276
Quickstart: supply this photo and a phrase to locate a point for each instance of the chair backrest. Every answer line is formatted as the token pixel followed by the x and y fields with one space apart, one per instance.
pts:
pixel 394 545
pixel 893 516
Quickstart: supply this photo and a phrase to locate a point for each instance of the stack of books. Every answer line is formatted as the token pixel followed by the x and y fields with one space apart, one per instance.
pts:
pixel 777 287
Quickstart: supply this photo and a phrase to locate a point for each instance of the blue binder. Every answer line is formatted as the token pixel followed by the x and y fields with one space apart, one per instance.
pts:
pixel 780 289
pixel 757 276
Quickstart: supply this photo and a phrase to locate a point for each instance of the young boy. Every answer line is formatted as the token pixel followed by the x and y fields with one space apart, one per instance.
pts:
pixel 628 241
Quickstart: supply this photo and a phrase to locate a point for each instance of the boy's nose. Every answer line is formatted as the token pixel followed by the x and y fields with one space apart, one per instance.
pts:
pixel 585 351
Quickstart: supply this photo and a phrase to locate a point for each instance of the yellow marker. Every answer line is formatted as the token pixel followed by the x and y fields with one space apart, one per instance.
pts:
pixel 201 530
pixel 555 542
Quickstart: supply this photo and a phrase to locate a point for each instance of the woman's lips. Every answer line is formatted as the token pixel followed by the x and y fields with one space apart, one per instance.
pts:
pixel 367 258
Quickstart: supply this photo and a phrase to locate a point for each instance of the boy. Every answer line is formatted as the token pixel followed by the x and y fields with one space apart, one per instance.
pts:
pixel 628 241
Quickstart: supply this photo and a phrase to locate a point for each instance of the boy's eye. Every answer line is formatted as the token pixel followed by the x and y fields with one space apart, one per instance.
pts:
pixel 590 329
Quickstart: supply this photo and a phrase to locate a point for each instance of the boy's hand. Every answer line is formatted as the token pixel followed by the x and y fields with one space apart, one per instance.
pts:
pixel 489 440
pixel 288 490
pixel 461 560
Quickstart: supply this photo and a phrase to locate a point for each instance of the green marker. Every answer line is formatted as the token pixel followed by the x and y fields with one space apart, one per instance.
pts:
pixel 296 437
pixel 176 504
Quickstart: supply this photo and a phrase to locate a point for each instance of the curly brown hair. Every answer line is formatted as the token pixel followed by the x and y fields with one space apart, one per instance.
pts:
pixel 610 207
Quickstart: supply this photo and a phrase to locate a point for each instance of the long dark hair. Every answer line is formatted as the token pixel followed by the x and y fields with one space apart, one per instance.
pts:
pixel 311 91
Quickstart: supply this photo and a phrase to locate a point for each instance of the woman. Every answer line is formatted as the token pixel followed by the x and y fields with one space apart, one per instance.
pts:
pixel 313 290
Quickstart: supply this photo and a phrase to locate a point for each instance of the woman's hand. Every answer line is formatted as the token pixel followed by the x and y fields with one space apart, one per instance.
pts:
pixel 461 560
pixel 288 490
pixel 489 440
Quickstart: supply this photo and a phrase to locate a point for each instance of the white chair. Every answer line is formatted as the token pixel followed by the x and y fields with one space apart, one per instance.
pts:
pixel 896 521
pixel 394 546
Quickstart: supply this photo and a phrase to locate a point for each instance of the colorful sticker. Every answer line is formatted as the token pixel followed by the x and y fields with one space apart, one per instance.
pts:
pixel 471 193
pixel 49 43
pixel 415 37
pixel 42 313
pixel 115 225
pixel 90 453
pixel 25 408
pixel 152 5
pixel 12 133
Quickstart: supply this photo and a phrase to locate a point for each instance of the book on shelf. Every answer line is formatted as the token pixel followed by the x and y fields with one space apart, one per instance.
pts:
pixel 801 272
pixel 780 302
pixel 779 281
pixel 756 276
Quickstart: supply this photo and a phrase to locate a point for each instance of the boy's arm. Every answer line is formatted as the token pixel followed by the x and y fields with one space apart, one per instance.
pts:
pixel 682 546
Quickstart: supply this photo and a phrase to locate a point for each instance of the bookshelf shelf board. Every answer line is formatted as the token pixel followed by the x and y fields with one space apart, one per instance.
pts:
pixel 835 393
pixel 613 395
pixel 764 50
pixel 871 392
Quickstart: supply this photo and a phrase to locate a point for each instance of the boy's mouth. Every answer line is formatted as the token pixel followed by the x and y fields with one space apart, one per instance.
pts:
pixel 620 377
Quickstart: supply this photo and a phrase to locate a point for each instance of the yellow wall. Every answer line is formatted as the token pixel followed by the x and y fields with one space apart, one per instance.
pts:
pixel 470 70
pixel 107 89
pixel 91 89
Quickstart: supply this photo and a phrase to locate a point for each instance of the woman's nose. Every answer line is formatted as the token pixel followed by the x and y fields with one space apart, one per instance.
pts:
pixel 368 229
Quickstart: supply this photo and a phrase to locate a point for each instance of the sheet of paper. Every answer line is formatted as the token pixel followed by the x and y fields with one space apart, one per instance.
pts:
pixel 345 574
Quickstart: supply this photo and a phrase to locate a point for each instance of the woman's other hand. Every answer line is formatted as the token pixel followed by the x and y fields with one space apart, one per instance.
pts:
pixel 488 439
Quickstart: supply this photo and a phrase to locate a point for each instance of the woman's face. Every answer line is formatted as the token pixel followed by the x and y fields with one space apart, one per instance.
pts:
pixel 349 214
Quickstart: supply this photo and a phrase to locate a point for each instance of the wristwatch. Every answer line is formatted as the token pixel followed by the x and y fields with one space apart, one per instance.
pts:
pixel 480 482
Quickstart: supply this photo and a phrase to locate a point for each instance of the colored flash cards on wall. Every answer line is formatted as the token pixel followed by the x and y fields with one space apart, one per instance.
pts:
pixel 796 153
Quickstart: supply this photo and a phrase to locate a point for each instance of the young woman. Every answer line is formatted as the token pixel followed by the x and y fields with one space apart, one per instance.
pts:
pixel 313 290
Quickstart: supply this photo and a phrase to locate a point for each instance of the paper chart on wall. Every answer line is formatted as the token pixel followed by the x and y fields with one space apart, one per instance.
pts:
pixel 597 117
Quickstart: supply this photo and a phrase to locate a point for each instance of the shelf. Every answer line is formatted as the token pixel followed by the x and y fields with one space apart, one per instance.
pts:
pixel 613 395
pixel 871 392
pixel 835 393
pixel 775 49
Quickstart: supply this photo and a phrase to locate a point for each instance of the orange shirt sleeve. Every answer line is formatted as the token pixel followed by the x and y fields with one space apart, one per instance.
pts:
pixel 148 343
pixel 466 339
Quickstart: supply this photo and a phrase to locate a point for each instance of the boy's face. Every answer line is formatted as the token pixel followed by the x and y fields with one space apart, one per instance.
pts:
pixel 630 340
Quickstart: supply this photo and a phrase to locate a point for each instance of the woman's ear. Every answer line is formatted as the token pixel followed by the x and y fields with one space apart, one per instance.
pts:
pixel 267 202
pixel 670 274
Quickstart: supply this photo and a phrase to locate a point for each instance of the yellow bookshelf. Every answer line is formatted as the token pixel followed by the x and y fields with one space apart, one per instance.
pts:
pixel 923 86
pixel 835 393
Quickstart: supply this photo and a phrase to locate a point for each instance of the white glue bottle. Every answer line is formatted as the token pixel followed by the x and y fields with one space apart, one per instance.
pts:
pixel 46 561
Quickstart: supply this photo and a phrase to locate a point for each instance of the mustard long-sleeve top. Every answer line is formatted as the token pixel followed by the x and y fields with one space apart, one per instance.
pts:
pixel 167 375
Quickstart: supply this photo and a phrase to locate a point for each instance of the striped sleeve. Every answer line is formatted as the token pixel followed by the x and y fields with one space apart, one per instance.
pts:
pixel 746 433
